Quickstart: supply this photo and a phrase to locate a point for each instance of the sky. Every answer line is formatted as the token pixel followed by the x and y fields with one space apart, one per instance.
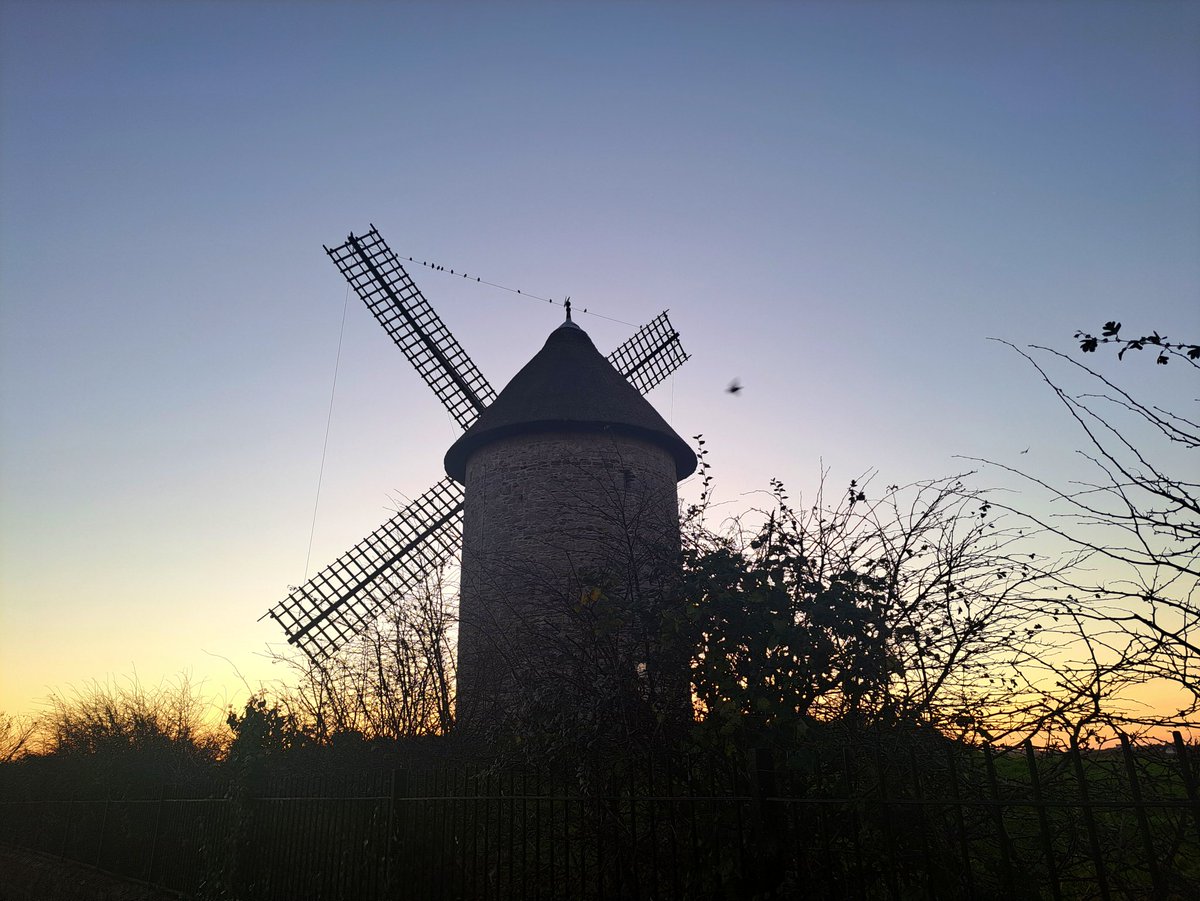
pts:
pixel 840 204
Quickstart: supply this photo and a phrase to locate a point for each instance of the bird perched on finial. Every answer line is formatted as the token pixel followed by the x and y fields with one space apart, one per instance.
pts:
pixel 734 387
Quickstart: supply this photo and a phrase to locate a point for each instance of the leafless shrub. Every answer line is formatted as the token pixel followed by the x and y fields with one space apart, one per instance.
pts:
pixel 1133 517
pixel 394 680
pixel 16 733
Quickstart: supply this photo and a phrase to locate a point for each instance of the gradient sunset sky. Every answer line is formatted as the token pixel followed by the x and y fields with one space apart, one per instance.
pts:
pixel 839 203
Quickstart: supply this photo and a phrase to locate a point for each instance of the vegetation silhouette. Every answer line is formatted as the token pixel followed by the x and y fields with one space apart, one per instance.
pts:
pixel 1133 517
pixel 1167 349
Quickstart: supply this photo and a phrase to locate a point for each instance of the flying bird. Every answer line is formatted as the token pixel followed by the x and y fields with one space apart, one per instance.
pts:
pixel 734 387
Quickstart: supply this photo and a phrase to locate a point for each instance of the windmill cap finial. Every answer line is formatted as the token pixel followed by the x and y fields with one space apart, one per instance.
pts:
pixel 568 323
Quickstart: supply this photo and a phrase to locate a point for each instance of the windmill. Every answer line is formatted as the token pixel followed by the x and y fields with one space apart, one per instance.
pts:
pixel 348 594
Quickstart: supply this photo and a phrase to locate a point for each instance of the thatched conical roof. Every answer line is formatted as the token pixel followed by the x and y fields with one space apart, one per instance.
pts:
pixel 569 387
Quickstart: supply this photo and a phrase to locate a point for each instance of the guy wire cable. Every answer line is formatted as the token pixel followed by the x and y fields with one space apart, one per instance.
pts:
pixel 325 445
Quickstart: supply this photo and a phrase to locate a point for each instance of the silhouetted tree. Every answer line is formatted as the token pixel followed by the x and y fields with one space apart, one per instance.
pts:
pixel 914 607
pixel 1136 520
pixel 260 732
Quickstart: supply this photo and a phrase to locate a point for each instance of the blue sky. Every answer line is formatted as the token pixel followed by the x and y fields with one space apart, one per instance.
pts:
pixel 839 203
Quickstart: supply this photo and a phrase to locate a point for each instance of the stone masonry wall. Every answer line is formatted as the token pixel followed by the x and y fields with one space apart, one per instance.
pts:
pixel 546 517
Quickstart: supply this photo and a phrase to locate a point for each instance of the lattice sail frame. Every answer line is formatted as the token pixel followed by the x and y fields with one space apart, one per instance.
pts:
pixel 650 355
pixel 348 594
pixel 375 274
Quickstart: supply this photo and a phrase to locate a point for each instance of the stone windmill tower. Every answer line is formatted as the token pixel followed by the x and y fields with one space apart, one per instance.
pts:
pixel 570 479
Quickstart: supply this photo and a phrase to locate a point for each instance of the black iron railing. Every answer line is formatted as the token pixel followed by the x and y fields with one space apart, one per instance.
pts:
pixel 928 820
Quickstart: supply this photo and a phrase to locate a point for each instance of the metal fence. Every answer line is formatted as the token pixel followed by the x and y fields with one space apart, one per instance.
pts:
pixel 921 820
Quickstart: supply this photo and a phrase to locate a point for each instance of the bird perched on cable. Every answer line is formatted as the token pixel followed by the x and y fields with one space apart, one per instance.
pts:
pixel 734 387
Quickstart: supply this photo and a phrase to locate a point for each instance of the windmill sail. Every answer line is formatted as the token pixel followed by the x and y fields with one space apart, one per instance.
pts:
pixel 335 604
pixel 650 355
pixel 376 275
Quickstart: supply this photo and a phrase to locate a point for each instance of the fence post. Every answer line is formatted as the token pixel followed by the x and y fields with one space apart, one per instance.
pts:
pixel 455 839
pixel 1143 823
pixel 1089 821
pixel 390 876
pixel 512 829
pixel 885 825
pixel 656 867
pixel 243 845
pixel 1189 778
pixel 100 843
pixel 852 801
pixel 597 804
pixel 964 841
pixel 1006 867
pixel 1035 783
pixel 772 820
pixel 162 793
pixel 69 809
pixel 922 820
pixel 42 819
pixel 471 780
